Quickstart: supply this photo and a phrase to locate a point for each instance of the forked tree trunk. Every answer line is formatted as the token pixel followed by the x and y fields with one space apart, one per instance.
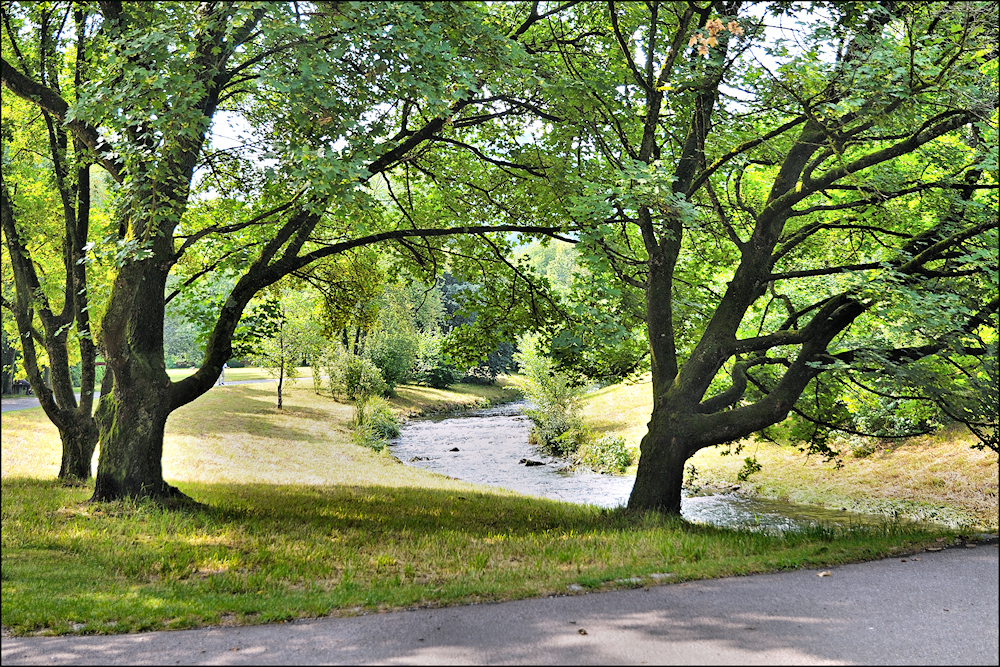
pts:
pixel 133 415
pixel 78 443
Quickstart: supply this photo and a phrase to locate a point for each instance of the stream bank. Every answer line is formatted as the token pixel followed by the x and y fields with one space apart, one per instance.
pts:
pixel 490 447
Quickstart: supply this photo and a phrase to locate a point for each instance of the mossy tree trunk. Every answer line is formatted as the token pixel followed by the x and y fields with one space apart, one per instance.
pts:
pixel 133 415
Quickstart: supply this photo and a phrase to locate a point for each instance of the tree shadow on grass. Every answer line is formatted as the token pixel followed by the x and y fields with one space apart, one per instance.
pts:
pixel 292 551
pixel 248 423
pixel 413 511
pixel 246 411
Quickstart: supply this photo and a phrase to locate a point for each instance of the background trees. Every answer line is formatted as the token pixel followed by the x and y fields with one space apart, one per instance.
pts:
pixel 292 335
pixel 52 215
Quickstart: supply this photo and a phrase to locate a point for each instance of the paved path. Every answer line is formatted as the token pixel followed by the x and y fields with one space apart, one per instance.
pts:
pixel 27 402
pixel 934 608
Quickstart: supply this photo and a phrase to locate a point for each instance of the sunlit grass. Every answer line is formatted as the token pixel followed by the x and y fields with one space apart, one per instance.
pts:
pixel 268 552
pixel 933 477
pixel 298 522
pixel 621 409
pixel 414 399
pixel 940 479
pixel 237 374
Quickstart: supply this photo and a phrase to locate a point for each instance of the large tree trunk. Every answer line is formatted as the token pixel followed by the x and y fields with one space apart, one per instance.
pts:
pixel 133 415
pixel 664 450
pixel 133 420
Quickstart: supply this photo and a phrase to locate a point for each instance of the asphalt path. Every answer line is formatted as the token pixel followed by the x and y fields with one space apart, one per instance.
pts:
pixel 927 608
pixel 28 402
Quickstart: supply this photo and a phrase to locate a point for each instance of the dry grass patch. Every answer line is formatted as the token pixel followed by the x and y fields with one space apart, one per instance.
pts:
pixel 237 374
pixel 31 446
pixel 936 478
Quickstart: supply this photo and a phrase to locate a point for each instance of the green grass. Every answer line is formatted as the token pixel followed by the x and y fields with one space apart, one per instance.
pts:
pixel 937 478
pixel 297 522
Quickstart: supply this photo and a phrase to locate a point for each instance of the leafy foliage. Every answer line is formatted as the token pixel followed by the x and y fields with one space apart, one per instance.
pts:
pixel 608 454
pixel 374 423
pixel 433 368
pixel 790 227
pixel 352 377
pixel 555 400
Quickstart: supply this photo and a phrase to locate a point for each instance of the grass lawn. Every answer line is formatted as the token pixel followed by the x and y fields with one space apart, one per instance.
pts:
pixel 232 375
pixel 236 374
pixel 298 522
pixel 937 477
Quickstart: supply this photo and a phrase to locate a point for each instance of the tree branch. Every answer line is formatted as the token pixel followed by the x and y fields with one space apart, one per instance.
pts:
pixel 49 101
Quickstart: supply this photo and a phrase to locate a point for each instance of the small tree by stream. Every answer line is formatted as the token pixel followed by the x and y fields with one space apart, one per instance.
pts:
pixel 294 335
pixel 559 429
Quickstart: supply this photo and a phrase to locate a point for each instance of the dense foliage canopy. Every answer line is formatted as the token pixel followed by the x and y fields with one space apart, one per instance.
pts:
pixel 781 208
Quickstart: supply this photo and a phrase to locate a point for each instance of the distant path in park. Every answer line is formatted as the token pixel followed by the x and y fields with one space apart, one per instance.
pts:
pixel 27 402
pixel 927 608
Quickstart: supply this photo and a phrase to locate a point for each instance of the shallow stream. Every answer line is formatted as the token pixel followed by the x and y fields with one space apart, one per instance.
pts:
pixel 488 446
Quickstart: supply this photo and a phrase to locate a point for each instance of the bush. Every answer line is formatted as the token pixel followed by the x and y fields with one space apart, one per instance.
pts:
pixel 394 353
pixel 432 368
pixel 499 361
pixel 555 430
pixel 558 426
pixel 439 376
pixel 374 423
pixel 609 453
pixel 352 377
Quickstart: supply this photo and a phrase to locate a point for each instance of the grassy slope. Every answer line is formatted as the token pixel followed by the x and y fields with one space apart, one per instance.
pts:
pixel 236 374
pixel 298 522
pixel 937 477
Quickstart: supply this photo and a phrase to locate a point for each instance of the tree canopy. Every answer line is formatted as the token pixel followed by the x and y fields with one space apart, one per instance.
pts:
pixel 788 217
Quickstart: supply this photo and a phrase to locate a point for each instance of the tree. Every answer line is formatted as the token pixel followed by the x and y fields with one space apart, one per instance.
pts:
pixel 775 203
pixel 48 224
pixel 294 335
pixel 335 96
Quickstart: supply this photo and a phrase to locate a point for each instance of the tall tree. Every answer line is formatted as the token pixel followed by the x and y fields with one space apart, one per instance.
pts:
pixel 777 202
pixel 335 94
pixel 47 226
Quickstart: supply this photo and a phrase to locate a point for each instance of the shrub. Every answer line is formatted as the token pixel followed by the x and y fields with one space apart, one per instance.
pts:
pixel 556 431
pixel 609 453
pixel 498 361
pixel 439 376
pixel 394 353
pixel 432 368
pixel 352 377
pixel 374 423
pixel 558 426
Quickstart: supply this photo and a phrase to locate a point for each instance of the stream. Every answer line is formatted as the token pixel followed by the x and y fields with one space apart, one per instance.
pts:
pixel 487 446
